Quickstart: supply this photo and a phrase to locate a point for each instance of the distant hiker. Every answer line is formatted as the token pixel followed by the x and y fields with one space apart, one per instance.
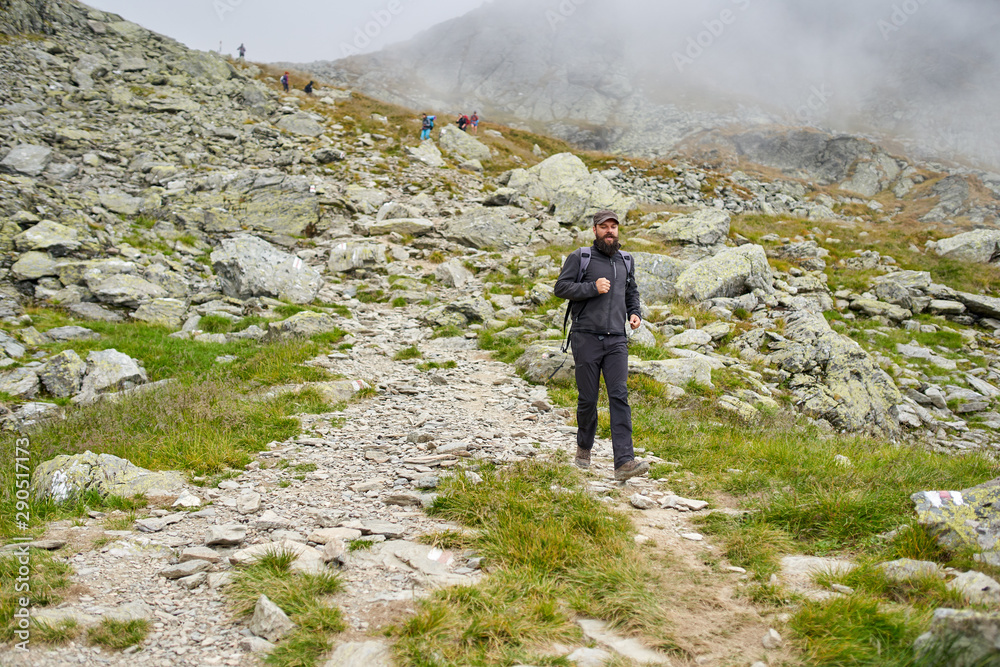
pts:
pixel 284 81
pixel 309 88
pixel 242 51
pixel 426 125
pixel 474 121
pixel 603 301
pixel 463 122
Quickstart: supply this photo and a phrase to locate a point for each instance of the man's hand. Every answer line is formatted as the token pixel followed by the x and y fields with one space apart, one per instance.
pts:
pixel 634 322
pixel 603 285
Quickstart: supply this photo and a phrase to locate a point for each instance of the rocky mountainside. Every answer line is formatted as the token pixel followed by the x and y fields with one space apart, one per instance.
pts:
pixel 147 184
pixel 641 81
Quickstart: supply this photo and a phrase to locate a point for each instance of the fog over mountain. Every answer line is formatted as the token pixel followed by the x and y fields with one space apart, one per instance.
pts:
pixel 643 75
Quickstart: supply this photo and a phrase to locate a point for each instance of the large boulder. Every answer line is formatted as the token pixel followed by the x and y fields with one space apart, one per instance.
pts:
pixel 404 226
pixel 495 227
pixel 300 325
pixel 66 477
pixel 676 372
pixel 706 228
pixel 350 255
pixel 126 290
pixel 34 265
pixel 107 371
pixel 564 181
pixel 834 378
pixel 248 266
pixel 544 361
pixel 981 246
pixel 26 159
pixel 165 312
pixel 460 144
pixel 656 276
pixel 50 236
pixel 960 638
pixel 62 375
pixel 731 273
pixel 427 152
pixel 962 520
pixel 20 383
pixel 301 124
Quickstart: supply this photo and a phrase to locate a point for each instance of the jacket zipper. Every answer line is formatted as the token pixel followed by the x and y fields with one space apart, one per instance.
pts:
pixel 614 268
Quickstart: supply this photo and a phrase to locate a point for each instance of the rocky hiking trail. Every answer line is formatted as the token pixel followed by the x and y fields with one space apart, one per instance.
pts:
pixel 363 474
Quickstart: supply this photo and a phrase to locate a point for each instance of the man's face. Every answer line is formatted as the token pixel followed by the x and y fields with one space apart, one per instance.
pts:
pixel 607 231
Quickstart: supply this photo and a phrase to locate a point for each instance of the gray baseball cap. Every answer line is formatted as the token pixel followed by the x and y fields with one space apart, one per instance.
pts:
pixel 602 216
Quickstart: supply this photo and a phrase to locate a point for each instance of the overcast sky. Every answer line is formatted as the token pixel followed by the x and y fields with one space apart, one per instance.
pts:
pixel 293 30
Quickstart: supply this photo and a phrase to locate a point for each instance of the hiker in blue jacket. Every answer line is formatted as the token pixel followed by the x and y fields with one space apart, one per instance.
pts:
pixel 604 300
pixel 426 125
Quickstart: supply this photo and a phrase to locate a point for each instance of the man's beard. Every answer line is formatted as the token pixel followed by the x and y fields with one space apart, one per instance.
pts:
pixel 606 248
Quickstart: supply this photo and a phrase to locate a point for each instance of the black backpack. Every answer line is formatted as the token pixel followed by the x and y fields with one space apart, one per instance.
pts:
pixel 585 262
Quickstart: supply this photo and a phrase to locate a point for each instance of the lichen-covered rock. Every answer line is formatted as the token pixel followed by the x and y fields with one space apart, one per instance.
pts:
pixel 27 159
pixel 564 181
pixel 66 477
pixel 248 266
pixel 656 276
pixel 126 290
pixel 981 246
pixel 496 227
pixel 49 236
pixel 960 638
pixel 452 273
pixel 300 325
pixel 20 383
pixel 109 370
pixel 704 227
pixel 300 123
pixel 460 144
pixel 833 378
pixel 348 256
pixel 676 372
pixel 34 265
pixel 62 375
pixel 874 308
pixel 544 361
pixel 964 519
pixel 167 312
pixel 405 226
pixel 731 273
pixel 427 152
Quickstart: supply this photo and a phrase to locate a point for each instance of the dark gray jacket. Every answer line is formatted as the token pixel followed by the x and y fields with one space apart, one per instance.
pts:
pixel 604 314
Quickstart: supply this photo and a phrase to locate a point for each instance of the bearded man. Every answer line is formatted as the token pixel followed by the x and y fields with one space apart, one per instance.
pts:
pixel 604 299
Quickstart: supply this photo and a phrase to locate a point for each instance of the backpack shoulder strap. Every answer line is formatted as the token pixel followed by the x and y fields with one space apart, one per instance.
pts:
pixel 584 262
pixel 629 266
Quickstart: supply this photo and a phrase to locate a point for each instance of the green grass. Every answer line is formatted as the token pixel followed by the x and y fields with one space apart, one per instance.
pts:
pixel 204 428
pixel 411 352
pixel 48 577
pixel 553 552
pixel 430 365
pixel 302 596
pixel 61 632
pixel 119 634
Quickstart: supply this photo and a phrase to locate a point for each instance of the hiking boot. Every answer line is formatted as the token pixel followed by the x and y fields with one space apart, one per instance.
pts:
pixel 582 459
pixel 633 468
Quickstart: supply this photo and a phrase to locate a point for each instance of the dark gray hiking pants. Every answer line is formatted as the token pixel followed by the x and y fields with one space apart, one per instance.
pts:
pixel 593 354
